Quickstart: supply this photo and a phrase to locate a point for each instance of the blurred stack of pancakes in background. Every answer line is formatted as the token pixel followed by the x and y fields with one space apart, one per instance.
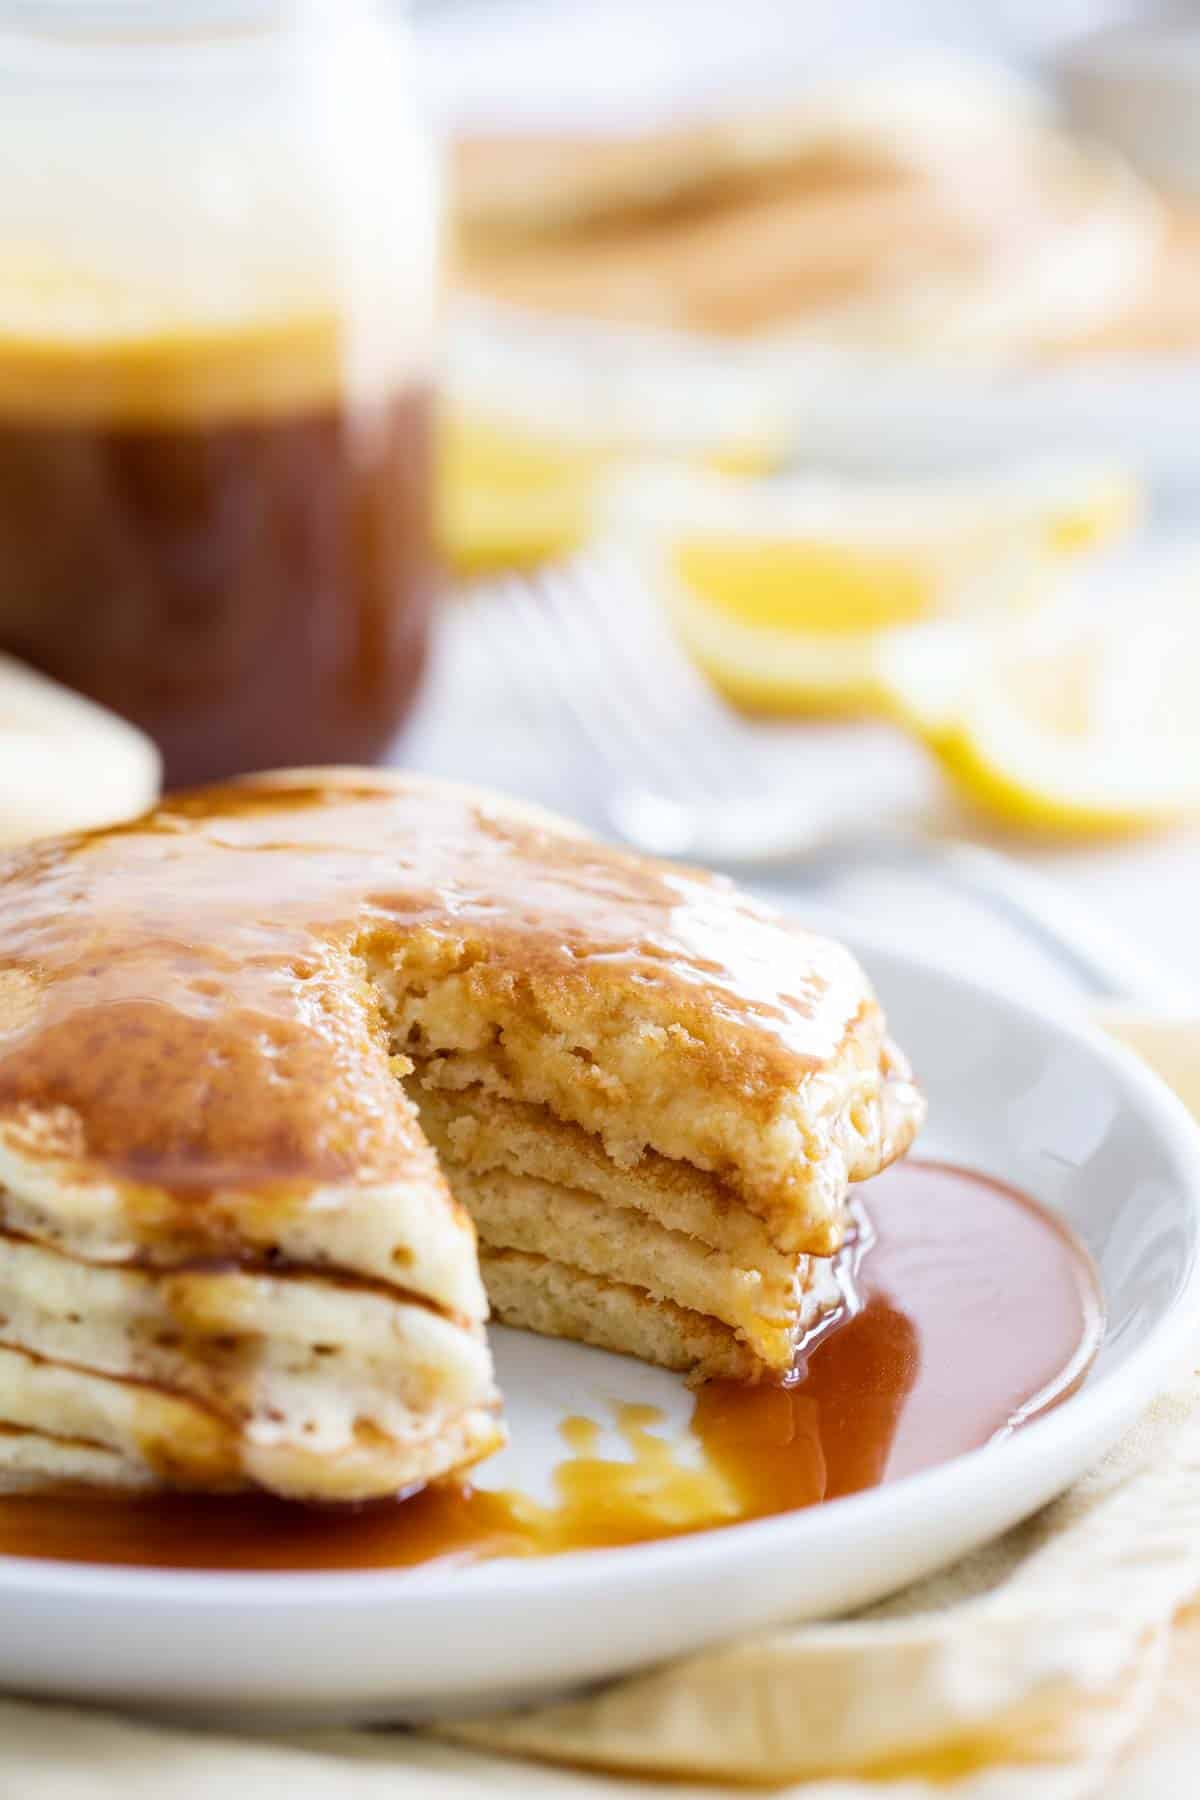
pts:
pixel 701 287
pixel 858 372
pixel 876 212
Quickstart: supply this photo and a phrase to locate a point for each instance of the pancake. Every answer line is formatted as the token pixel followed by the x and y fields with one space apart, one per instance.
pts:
pixel 861 251
pixel 309 1385
pixel 263 1050
pixel 1162 318
pixel 659 1242
pixel 544 178
pixel 845 215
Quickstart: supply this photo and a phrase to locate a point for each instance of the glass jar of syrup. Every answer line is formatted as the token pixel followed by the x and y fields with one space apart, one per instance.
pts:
pixel 218 238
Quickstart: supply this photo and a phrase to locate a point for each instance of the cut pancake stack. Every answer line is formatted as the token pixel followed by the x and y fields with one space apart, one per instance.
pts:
pixel 324 1344
pixel 658 1259
pixel 651 1102
pixel 252 1044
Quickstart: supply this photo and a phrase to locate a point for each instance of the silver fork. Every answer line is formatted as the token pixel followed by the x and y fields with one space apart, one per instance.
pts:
pixel 680 774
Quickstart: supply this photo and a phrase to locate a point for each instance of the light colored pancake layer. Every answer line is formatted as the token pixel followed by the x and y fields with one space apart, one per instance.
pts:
pixel 324 1343
pixel 709 1288
pixel 228 1253
pixel 310 1385
pixel 558 1301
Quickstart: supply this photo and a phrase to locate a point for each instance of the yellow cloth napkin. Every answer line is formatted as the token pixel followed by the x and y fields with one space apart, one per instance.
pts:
pixel 1058 1663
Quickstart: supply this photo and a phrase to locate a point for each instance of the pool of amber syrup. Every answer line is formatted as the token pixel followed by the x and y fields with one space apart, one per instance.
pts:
pixel 976 1311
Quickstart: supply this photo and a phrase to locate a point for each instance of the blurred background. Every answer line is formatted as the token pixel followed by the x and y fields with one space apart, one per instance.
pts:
pixel 861 346
pixel 812 459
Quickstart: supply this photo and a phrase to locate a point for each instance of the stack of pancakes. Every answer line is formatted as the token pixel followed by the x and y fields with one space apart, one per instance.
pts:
pixel 889 212
pixel 227 1255
pixel 654 1257
pixel 252 1044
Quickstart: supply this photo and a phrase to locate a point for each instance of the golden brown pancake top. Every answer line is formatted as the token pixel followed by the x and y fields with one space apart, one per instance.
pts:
pixel 185 1000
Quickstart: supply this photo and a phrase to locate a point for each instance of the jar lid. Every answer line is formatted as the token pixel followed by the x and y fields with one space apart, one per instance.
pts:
pixel 98 20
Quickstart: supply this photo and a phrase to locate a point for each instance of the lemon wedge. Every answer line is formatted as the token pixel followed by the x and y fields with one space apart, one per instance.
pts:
pixel 786 592
pixel 1081 723
pixel 509 497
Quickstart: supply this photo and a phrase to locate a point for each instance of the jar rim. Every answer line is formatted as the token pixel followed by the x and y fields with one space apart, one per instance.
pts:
pixel 135 27
pixel 87 20
pixel 149 39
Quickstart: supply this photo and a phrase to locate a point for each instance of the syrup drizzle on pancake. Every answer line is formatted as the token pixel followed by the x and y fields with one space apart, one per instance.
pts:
pixel 196 1002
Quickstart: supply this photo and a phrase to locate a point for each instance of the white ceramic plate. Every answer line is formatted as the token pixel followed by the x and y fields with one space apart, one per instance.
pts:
pixel 1067 1117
